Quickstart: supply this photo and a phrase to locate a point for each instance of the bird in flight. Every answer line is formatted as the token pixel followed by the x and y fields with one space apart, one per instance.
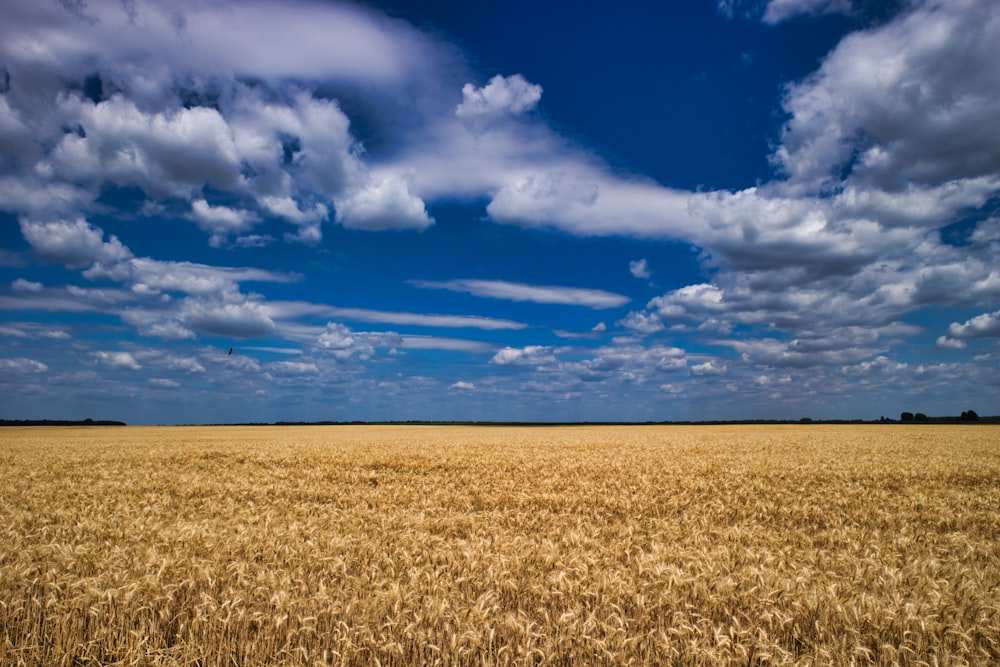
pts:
pixel 230 352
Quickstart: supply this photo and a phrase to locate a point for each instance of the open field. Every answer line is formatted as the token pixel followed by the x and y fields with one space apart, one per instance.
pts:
pixel 805 545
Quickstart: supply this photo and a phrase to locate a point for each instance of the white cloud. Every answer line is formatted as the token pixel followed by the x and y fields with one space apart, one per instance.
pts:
pixel 221 221
pixel 75 243
pixel 548 294
pixel 386 205
pixel 628 361
pixel 293 368
pixel 292 309
pixel 502 96
pixel 461 384
pixel 908 102
pixel 780 10
pixel 642 323
pixel 22 285
pixel 946 343
pixel 344 343
pixel 833 349
pixel 410 341
pixel 332 41
pixel 173 152
pixel 179 363
pixel 289 209
pixel 531 355
pixel 584 199
pixel 161 120
pixel 246 319
pixel 639 268
pixel 156 325
pixel 710 367
pixel 685 301
pixel 150 276
pixel 986 325
pixel 22 365
pixel 987 231
pixel 119 360
pixel 165 383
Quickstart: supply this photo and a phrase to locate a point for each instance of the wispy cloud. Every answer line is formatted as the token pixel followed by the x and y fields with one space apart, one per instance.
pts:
pixel 415 342
pixel 548 294
pixel 293 309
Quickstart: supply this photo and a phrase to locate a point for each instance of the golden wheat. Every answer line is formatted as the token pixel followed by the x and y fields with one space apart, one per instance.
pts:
pixel 402 545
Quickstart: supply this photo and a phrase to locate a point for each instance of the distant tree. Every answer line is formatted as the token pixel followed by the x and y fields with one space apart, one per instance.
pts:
pixel 88 420
pixel 920 417
pixel 906 417
pixel 969 416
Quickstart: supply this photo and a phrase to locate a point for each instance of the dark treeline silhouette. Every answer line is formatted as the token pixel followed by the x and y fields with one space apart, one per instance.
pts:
pixel 919 418
pixel 966 416
pixel 59 422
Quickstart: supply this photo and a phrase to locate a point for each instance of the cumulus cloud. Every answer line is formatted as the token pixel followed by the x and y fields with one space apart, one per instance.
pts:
pixel 246 319
pixel 690 300
pixel 711 367
pixel 986 232
pixel 510 291
pixel 502 96
pixel 121 99
pixel 386 205
pixel 799 353
pixel 155 324
pixel 946 343
pixel 221 221
pixel 75 243
pixel 908 102
pixel 173 152
pixel 642 323
pixel 118 360
pixel 344 343
pixel 627 362
pixel 986 325
pixel 531 355
pixel 461 384
pixel 181 363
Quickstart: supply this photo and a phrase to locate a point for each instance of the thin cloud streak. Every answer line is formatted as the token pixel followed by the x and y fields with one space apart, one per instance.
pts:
pixel 510 291
pixel 295 309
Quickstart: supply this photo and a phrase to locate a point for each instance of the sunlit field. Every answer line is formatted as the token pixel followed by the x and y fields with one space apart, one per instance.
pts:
pixel 401 545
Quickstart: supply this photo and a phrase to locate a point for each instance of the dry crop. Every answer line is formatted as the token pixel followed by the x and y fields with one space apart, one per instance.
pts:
pixel 794 545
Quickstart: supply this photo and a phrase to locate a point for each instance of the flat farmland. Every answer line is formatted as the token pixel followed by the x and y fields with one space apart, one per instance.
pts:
pixel 453 545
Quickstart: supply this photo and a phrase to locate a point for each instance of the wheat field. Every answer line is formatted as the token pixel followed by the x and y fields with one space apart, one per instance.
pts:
pixel 404 545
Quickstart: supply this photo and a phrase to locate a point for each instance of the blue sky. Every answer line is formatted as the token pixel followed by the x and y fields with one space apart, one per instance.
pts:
pixel 498 211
